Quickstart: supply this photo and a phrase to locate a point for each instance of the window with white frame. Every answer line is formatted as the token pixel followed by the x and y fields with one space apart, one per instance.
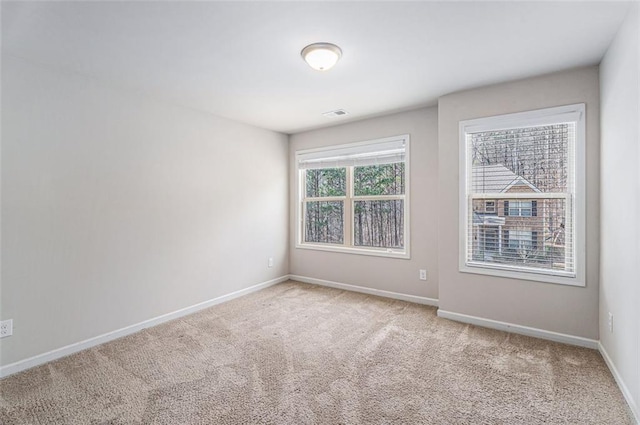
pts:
pixel 354 197
pixel 519 208
pixel 521 239
pixel 531 164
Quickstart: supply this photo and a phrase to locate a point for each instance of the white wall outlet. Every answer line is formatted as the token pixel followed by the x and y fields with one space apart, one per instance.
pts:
pixel 423 275
pixel 270 263
pixel 610 322
pixel 6 328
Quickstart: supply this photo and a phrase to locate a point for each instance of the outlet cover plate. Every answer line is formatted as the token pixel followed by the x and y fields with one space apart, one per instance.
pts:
pixel 6 328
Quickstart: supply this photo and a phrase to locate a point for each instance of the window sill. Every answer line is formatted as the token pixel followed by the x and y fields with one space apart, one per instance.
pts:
pixel 558 278
pixel 358 251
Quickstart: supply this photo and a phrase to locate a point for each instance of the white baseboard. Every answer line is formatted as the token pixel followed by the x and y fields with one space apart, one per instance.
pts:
pixel 39 359
pixel 518 329
pixel 623 387
pixel 387 294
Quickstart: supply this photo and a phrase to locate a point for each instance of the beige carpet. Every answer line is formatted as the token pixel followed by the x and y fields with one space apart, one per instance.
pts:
pixel 302 354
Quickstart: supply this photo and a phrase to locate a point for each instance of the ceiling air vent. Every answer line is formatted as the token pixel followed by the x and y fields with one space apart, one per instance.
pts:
pixel 336 113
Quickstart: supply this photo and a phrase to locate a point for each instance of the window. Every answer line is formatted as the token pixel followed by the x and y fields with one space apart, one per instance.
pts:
pixel 521 239
pixel 519 208
pixel 527 171
pixel 354 198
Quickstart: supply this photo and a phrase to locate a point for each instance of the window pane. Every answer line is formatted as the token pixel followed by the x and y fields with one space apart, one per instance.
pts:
pixel 539 240
pixel 387 179
pixel 326 182
pixel 521 159
pixel 379 223
pixel 324 222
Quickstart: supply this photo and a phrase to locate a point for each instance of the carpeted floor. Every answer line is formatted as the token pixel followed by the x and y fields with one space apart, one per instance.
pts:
pixel 303 354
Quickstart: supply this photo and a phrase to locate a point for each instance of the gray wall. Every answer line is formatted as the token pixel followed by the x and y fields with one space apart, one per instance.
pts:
pixel 389 274
pixel 117 208
pixel 620 203
pixel 557 308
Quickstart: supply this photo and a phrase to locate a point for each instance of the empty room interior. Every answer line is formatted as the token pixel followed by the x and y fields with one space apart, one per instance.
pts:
pixel 273 212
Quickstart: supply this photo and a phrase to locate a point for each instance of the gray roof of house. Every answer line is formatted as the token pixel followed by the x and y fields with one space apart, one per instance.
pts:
pixel 496 179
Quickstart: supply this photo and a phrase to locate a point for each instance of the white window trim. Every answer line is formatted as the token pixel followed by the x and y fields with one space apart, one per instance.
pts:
pixel 350 249
pixel 545 116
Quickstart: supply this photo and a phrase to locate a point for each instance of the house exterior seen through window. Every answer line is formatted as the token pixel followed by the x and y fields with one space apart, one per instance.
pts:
pixel 522 195
pixel 520 208
pixel 354 198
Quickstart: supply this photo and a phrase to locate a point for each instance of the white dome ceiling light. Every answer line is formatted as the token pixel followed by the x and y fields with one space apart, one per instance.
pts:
pixel 321 56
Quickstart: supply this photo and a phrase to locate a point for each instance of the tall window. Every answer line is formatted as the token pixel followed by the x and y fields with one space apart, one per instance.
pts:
pixel 530 166
pixel 354 198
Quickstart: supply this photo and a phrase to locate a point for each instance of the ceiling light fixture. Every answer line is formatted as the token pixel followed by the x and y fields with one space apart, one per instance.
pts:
pixel 321 56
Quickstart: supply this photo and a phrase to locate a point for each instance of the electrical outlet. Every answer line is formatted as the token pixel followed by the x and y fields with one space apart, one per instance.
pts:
pixel 6 328
pixel 423 275
pixel 610 322
pixel 270 263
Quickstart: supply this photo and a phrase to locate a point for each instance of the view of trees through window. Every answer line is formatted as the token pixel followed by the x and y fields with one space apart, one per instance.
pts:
pixel 375 201
pixel 539 154
pixel 379 223
pixel 324 219
pixel 518 166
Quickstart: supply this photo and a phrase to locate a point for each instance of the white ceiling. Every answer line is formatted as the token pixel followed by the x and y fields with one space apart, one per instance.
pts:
pixel 241 59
